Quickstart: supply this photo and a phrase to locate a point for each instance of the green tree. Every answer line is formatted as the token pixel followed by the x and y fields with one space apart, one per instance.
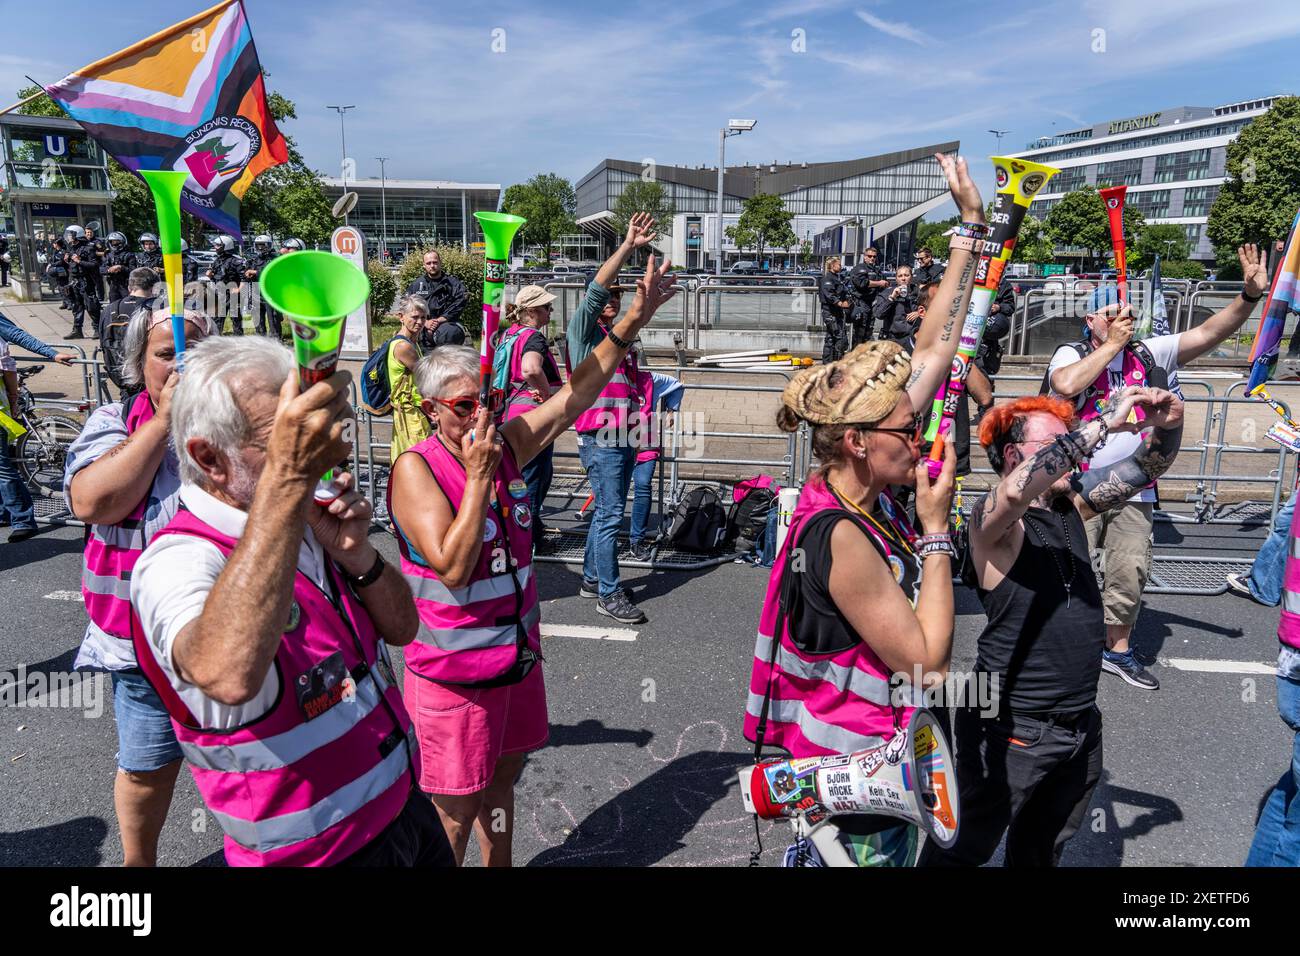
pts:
pixel 549 203
pixel 642 195
pixel 41 106
pixel 1079 219
pixel 465 266
pixel 741 237
pixel 1032 244
pixel 765 217
pixel 805 252
pixel 931 236
pixel 1184 269
pixel 1258 201
pixel 1166 240
pixel 383 289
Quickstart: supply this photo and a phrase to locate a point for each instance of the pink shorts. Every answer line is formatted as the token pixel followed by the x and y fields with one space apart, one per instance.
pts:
pixel 463 731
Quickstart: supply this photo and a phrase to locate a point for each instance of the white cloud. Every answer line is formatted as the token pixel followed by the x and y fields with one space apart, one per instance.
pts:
pixel 902 31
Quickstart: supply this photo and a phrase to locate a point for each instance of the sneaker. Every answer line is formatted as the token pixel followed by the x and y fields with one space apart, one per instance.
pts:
pixel 74 334
pixel 589 589
pixel 640 551
pixel 22 534
pixel 1237 585
pixel 1127 667
pixel 620 609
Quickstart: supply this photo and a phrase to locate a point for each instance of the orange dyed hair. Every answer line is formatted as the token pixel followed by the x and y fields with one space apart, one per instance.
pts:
pixel 999 426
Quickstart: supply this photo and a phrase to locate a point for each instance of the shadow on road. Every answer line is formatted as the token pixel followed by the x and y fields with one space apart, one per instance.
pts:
pixel 71 843
pixel 650 819
pixel 1105 846
pixel 40 548
pixel 594 732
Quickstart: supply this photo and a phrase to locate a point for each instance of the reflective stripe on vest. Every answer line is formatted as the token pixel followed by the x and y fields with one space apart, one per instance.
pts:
pixel 299 826
pixel 852 679
pixel 474 638
pixel 469 634
pixel 299 785
pixel 111 552
pixel 819 732
pixel 617 399
pixel 277 752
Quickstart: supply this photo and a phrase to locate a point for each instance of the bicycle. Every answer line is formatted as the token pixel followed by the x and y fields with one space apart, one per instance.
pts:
pixel 40 453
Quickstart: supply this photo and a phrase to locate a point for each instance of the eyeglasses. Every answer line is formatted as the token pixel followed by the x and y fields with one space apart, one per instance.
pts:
pixel 466 405
pixel 911 432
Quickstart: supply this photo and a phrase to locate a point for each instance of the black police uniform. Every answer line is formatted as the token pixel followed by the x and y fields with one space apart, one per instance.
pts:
pixel 118 281
pixel 84 283
pixel 444 295
pixel 255 305
pixel 925 274
pixel 226 272
pixel 864 298
pixel 830 290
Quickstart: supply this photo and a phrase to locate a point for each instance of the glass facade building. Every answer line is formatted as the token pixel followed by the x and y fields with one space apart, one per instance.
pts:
pixel 882 194
pixel 54 176
pixel 1171 161
pixel 408 213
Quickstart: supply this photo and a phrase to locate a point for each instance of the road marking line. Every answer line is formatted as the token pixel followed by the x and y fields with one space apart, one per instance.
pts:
pixel 1218 667
pixel 583 630
pixel 64 596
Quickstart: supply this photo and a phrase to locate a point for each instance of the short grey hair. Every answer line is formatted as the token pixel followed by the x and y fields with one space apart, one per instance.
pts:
pixel 136 343
pixel 444 365
pixel 408 302
pixel 205 404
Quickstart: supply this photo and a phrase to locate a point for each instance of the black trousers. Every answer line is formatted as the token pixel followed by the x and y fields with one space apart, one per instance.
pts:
pixel 414 839
pixel 1025 776
pixel 837 339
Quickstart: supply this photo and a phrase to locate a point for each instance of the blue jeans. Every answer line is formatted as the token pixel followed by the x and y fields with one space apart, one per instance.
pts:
pixel 1265 578
pixel 609 469
pixel 643 476
pixel 15 497
pixel 146 740
pixel 1277 837
pixel 538 474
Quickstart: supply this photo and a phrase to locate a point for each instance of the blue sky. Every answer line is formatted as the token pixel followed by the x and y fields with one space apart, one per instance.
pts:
pixel 580 81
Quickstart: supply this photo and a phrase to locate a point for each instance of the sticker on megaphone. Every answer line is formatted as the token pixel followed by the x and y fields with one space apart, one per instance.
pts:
pixel 910 777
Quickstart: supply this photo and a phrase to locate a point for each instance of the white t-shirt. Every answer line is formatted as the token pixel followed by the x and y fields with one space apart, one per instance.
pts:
pixel 170 585
pixel 1164 349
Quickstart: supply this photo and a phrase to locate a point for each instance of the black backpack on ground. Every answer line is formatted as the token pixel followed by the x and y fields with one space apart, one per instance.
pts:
pixel 747 518
pixel 699 523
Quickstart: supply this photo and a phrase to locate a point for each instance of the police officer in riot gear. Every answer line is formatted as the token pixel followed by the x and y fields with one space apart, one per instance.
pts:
pixel 291 245
pixel 225 274
pixel 833 295
pixel 866 280
pixel 84 280
pixel 118 263
pixel 254 305
pixel 149 256
pixel 56 271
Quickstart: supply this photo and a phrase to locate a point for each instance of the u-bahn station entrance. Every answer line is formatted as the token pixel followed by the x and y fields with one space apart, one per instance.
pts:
pixel 54 176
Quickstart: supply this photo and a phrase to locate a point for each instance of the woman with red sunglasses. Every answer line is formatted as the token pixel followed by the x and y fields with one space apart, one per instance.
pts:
pixel 462 512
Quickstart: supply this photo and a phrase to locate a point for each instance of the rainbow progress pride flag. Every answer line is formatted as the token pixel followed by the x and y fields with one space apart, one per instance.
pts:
pixel 189 98
pixel 1282 298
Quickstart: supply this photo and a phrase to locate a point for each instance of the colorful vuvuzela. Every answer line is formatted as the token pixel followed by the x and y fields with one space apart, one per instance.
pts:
pixel 499 230
pixel 316 291
pixel 1018 181
pixel 1113 197
pixel 165 186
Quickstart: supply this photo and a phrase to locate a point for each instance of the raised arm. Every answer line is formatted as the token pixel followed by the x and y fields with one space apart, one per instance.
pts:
pixel 1069 381
pixel 1100 489
pixel 1196 342
pixel 531 432
pixel 582 327
pixel 937 341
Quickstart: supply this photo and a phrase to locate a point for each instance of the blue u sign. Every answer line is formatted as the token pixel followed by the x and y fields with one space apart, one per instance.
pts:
pixel 56 145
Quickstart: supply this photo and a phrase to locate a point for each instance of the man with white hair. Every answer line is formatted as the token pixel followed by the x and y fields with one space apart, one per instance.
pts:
pixel 264 616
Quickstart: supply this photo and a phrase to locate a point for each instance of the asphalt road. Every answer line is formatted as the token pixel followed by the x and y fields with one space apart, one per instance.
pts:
pixel 645 733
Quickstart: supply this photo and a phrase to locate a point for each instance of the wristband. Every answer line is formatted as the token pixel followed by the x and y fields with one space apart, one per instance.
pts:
pixel 1249 299
pixel 943 536
pixel 621 343
pixel 937 547
pixel 370 577
pixel 976 229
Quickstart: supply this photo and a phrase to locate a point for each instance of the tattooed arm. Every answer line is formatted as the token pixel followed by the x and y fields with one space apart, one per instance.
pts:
pixel 940 332
pixel 1100 489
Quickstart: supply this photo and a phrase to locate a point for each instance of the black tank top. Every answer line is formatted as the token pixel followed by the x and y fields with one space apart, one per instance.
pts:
pixel 1047 655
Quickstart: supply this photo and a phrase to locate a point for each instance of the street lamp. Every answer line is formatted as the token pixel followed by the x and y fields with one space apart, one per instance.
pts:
pixel 383 210
pixel 733 128
pixel 999 133
pixel 344 133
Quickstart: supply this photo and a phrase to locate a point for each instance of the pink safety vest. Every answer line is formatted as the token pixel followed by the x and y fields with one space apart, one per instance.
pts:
pixel 616 402
pixel 322 773
pixel 1099 391
pixel 824 703
pixel 469 634
pixel 643 419
pixel 1288 628
pixel 518 399
pixel 112 551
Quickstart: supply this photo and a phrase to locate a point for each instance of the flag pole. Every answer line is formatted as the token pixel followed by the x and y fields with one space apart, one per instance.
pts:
pixel 21 103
